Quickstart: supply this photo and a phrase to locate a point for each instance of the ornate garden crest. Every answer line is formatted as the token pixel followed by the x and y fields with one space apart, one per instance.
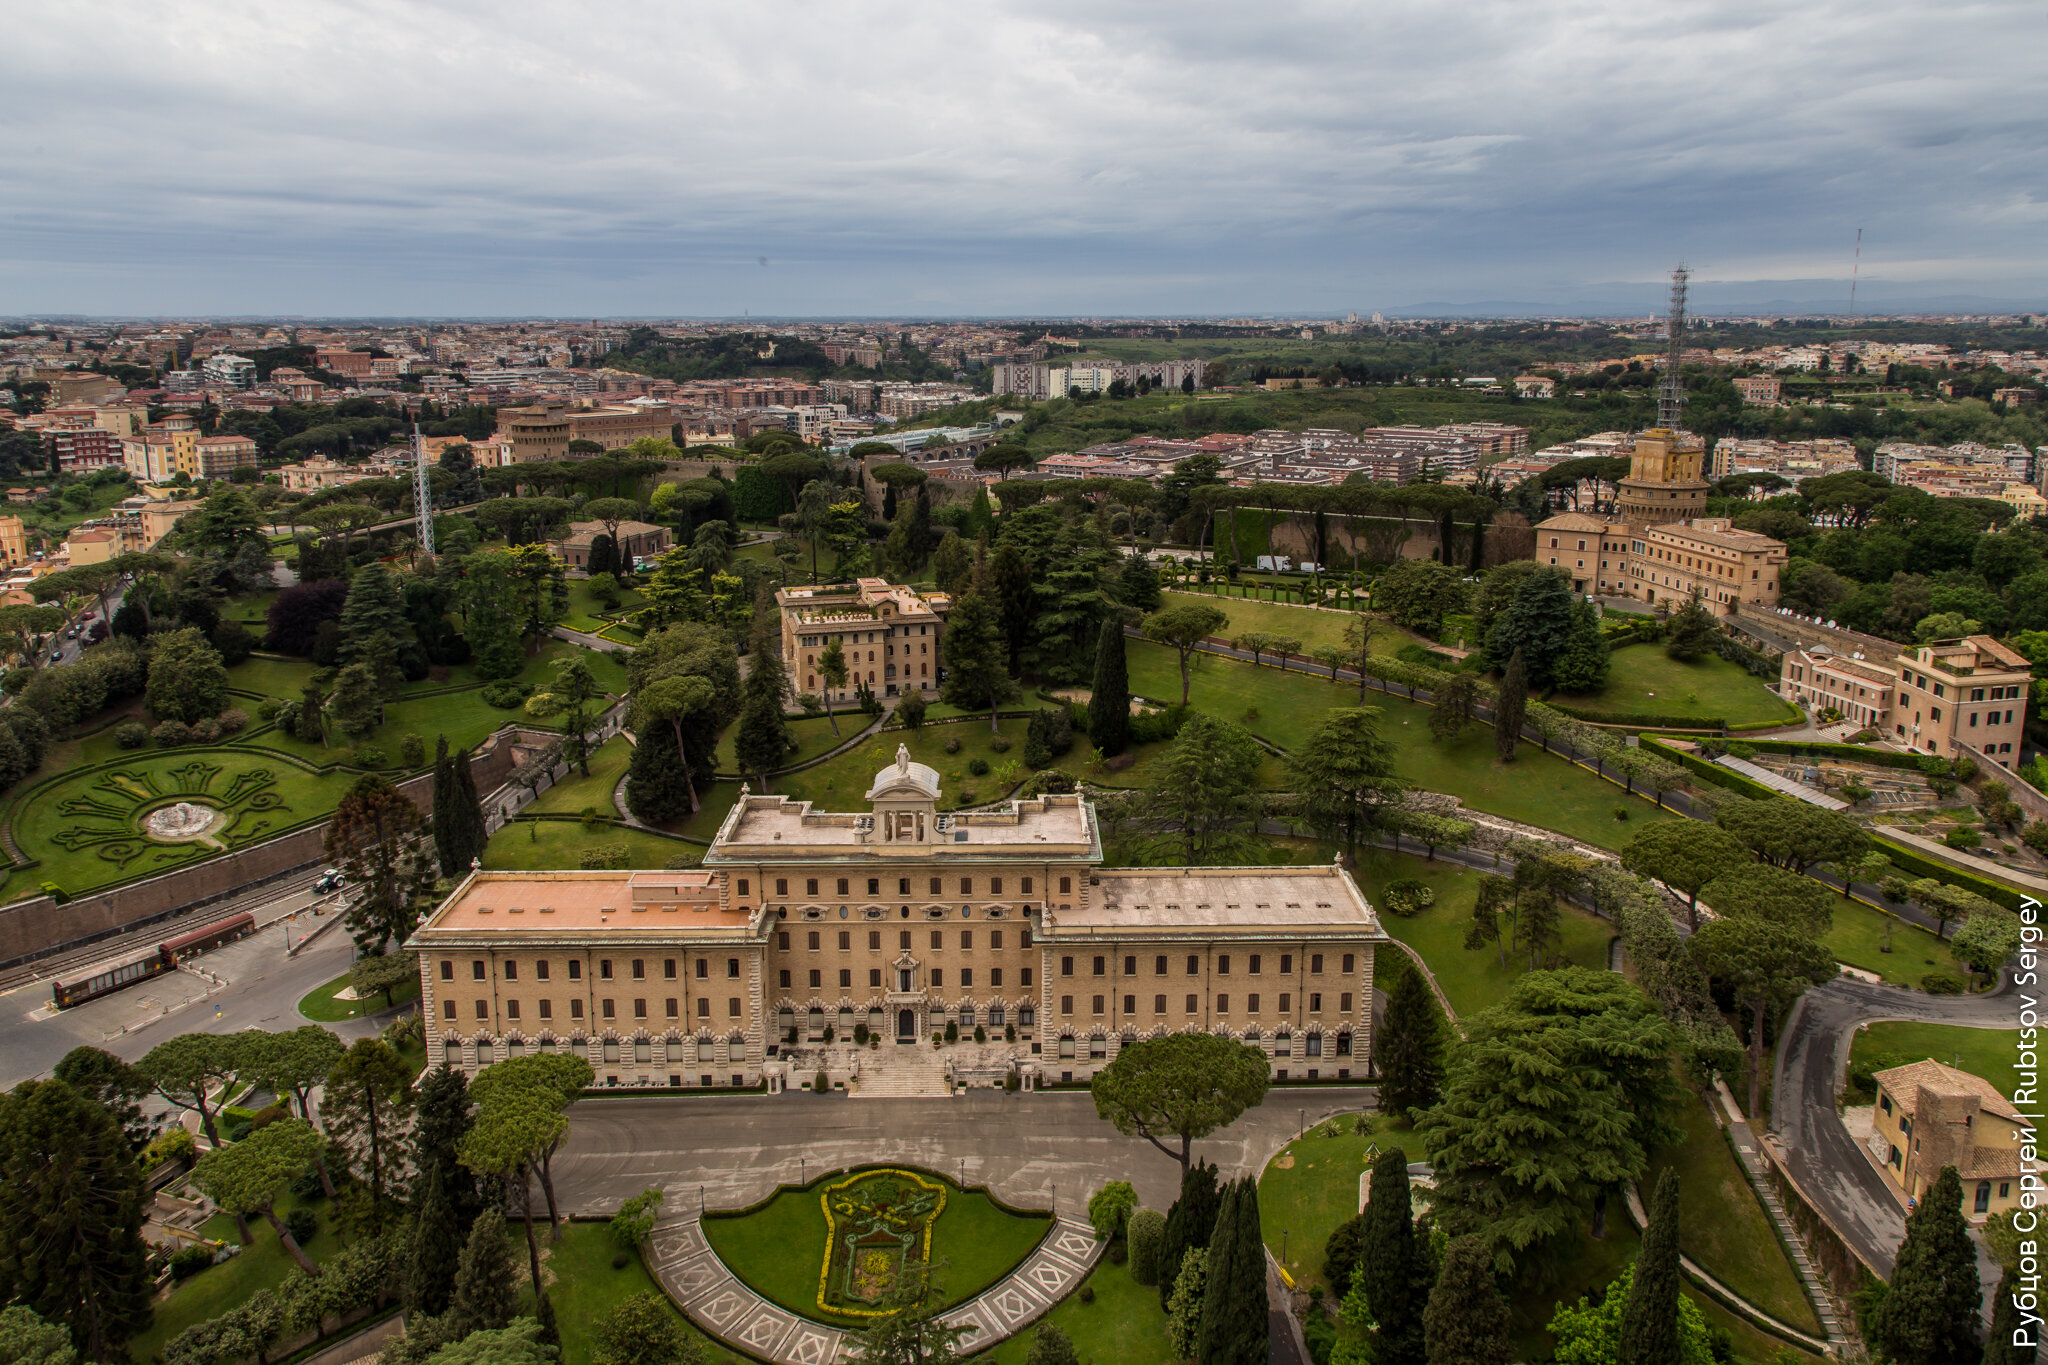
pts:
pixel 127 812
pixel 877 1223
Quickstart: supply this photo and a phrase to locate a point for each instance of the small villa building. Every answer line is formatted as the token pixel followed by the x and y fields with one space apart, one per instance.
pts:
pixel 1930 1116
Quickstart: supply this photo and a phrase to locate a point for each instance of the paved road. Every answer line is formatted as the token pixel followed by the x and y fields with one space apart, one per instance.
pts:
pixel 261 989
pixel 1812 1057
pixel 738 1148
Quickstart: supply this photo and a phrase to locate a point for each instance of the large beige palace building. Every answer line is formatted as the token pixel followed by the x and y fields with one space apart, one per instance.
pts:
pixel 902 919
pixel 889 635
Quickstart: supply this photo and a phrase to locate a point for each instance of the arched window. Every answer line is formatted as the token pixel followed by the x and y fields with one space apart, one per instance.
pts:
pixel 643 1051
pixel 703 1049
pixel 451 1052
pixel 1315 1045
pixel 1027 1016
pixel 1067 1047
pixel 611 1049
pixel 514 1047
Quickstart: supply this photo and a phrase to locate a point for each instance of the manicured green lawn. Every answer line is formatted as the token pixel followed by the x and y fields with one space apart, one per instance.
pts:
pixel 813 736
pixel 1473 978
pixel 584 608
pixel 544 845
pixel 1310 625
pixel 1721 1225
pixel 1286 708
pixel 95 812
pixel 1986 1052
pixel 1643 680
pixel 1310 1187
pixel 779 1248
pixel 214 1291
pixel 1124 1326
pixel 570 797
pixel 464 717
pixel 1860 936
pixel 608 669
pixel 585 1288
pixel 321 1006
pixel 280 678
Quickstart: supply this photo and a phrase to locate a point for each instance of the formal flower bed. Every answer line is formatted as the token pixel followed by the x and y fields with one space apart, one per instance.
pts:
pixel 877 1225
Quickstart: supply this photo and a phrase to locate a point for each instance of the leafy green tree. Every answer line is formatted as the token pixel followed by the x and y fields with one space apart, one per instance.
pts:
pixel 1767 964
pixel 1205 803
pixel 1590 1334
pixel 2012 1342
pixel 357 703
pixel 1391 1264
pixel 1466 1321
pixel 505 1144
pixel 377 839
pixel 1552 1103
pixel 1684 855
pixel 1109 703
pixel 485 1293
pixel 116 1086
pixel 1929 1316
pixel 1581 666
pixel 223 523
pixel 977 661
pixel 666 701
pixel 1987 940
pixel 488 599
pixel 383 974
pixel 1146 1235
pixel 952 563
pixel 1689 633
pixel 1183 1085
pixel 187 681
pixel 1110 1208
pixel 1792 834
pixel 373 626
pixel 1456 698
pixel 1409 1044
pixel 571 694
pixel 1184 627
pixel 643 1329
pixel 1511 706
pixel 71 1250
pixel 250 1176
pixel 442 1118
pixel 1753 890
pixel 1051 1346
pixel 1235 1309
pixel 1419 594
pixel 1184 1302
pixel 832 673
pixel 635 1219
pixel 1538 622
pixel 25 1339
pixel 433 1246
pixel 186 1070
pixel 365 1107
pixel 1649 1324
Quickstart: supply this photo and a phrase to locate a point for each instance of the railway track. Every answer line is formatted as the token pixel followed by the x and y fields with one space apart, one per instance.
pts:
pixel 136 940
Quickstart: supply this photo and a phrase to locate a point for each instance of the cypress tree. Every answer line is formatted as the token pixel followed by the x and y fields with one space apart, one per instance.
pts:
pixel 921 540
pixel 1109 705
pixel 1188 1223
pixel 1511 703
pixel 1649 1323
pixel 1466 1322
pixel 889 502
pixel 1929 1317
pixel 435 1247
pixel 1409 1044
pixel 1234 1304
pixel 1388 1262
pixel 762 744
pixel 447 830
pixel 469 810
pixel 2010 1337
pixel 441 1118
pixel 485 1296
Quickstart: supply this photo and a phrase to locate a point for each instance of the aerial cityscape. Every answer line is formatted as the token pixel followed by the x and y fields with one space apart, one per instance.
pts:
pixel 889 685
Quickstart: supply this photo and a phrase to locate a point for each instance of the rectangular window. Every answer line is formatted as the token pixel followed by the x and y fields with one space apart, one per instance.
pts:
pixel 639 1009
pixel 1159 1004
pixel 1286 1001
pixel 1023 976
pixel 483 1009
pixel 816 976
pixel 810 886
pixel 1066 966
pixel 782 939
pixel 995 976
pixel 703 1009
pixel 995 886
pixel 966 939
pixel 743 886
pixel 845 940
pixel 874 940
pixel 903 940
pixel 1066 1004
pixel 937 888
pixel 672 1007
pixel 1066 885
pixel 938 940
pixel 447 970
pixel 842 885
pixel 668 969
pixel 732 969
pixel 1223 1004
pixel 1223 964
pixel 1315 1002
pixel 547 1009
pixel 967 976
pixel 1130 965
pixel 1315 964
pixel 1344 1002
pixel 476 970
pixel 1159 965
pixel 938 977
pixel 639 969
pixel 1191 1005
pixel 447 1009
pixel 1027 886
pixel 703 968
pixel 511 969
pixel 1251 1004
pixel 1194 965
pixel 874 976
pixel 967 886
pixel 1098 1004
pixel 1287 964
pixel 903 886
pixel 1253 965
pixel 511 1009
pixel 1350 964
pixel 811 940
pixel 610 1010
pixel 732 1007
pixel 845 976
pixel 1024 937
pixel 604 969
pixel 874 886
pixel 575 1009
pixel 1101 963
pixel 782 886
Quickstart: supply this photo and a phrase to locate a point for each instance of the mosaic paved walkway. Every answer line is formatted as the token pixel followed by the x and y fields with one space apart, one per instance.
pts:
pixel 683 1261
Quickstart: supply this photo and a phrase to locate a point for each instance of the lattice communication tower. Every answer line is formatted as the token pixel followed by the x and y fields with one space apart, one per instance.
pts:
pixel 1671 395
pixel 422 493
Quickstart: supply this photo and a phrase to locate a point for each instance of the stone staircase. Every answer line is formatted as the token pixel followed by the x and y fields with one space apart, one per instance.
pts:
pixel 895 1071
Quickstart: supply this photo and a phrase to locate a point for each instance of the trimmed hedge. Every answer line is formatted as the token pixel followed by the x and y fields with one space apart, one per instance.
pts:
pixel 1655 722
pixel 1712 772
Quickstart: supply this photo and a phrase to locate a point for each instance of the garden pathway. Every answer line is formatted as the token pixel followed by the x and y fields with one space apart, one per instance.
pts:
pixel 681 1258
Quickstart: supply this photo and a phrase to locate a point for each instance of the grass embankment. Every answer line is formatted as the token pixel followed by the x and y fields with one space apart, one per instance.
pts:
pixel 1720 1223
pixel 1310 1187
pixel 1986 1052
pixel 779 1248
pixel 577 793
pixel 216 1290
pixel 1901 953
pixel 1312 626
pixel 1473 978
pixel 1286 708
pixel 322 1008
pixel 1123 1326
pixel 1642 680
pixel 813 736
pixel 584 1287
pixel 543 845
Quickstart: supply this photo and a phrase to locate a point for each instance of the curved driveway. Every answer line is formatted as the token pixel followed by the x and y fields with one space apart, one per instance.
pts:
pixel 1812 1055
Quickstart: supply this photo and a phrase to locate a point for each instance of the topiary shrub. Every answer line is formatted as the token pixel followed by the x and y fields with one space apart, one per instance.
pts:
pixel 952 1032
pixel 267 1115
pixel 977 767
pixel 368 757
pixel 412 751
pixel 860 1035
pixel 1146 1236
pixel 170 734
pixel 1407 896
pixel 1087 1294
pixel 303 1224
pixel 504 695
pixel 953 746
pixel 1942 983
pixel 821 1083
pixel 206 731
pixel 189 1261
pixel 232 721
pixel 967 796
pixel 601 856
pixel 1000 744
pixel 267 709
pixel 620 1260
pixel 1012 1083
pixel 131 734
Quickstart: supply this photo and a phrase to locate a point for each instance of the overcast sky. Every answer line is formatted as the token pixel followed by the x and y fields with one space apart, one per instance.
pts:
pixel 909 159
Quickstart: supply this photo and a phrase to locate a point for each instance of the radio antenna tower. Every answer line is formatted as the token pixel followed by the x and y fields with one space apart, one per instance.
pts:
pixel 422 493
pixel 1855 267
pixel 1671 395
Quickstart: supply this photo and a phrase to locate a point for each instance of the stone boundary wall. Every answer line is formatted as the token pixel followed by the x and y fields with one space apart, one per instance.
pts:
pixel 40 926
